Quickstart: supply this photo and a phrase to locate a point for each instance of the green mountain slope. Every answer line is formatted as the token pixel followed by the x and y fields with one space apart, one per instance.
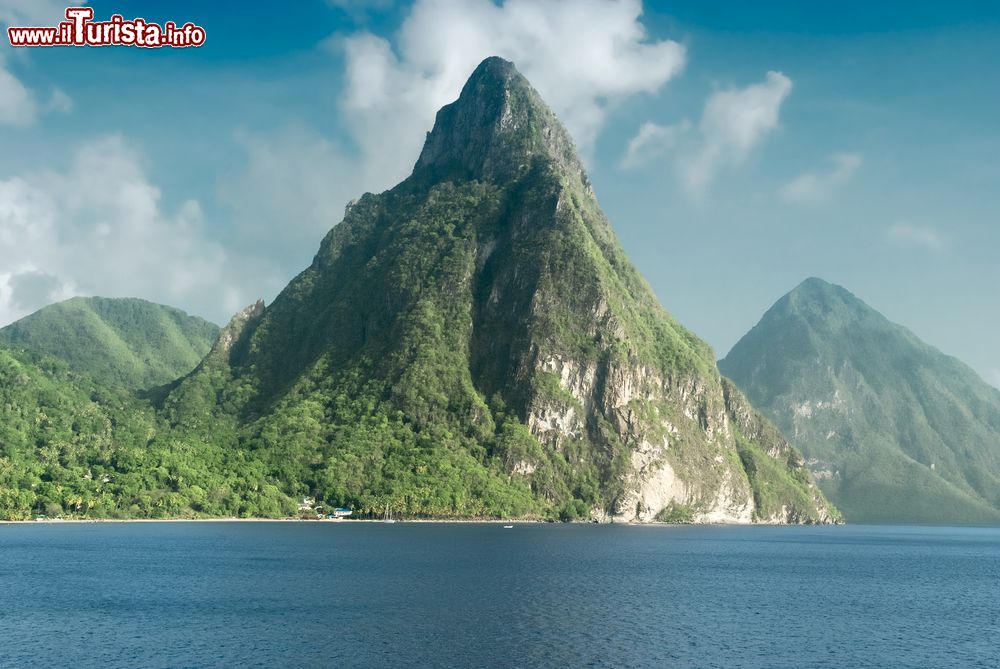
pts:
pixel 71 447
pixel 121 341
pixel 474 342
pixel 893 429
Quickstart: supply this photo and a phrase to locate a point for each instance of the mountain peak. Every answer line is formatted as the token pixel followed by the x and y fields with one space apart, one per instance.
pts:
pixel 814 295
pixel 814 283
pixel 496 129
pixel 475 342
pixel 495 69
pixel 815 287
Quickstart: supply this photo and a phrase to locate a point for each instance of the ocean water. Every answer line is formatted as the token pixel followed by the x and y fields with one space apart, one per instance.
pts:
pixel 476 595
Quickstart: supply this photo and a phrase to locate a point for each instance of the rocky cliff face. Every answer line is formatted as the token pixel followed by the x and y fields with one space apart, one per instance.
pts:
pixel 783 490
pixel 676 436
pixel 229 335
pixel 482 315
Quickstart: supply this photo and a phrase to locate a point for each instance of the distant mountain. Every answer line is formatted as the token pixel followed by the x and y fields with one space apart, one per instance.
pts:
pixel 474 342
pixel 122 341
pixel 893 429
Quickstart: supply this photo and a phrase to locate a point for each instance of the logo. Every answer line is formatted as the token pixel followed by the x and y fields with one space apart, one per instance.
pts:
pixel 80 29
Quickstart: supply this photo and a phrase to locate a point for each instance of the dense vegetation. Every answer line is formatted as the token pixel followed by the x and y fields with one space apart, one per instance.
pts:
pixel 123 342
pixel 409 367
pixel 894 429
pixel 72 447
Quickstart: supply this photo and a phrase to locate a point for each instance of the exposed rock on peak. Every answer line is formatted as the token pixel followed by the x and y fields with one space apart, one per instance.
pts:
pixel 496 128
pixel 235 328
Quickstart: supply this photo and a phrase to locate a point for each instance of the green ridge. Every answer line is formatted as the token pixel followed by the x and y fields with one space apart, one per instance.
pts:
pixel 127 342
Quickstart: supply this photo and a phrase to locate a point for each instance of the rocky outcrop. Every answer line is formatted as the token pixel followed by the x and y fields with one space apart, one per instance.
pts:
pixel 682 442
pixel 230 335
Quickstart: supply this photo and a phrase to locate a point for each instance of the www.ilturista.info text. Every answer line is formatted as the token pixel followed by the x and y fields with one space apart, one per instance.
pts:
pixel 79 29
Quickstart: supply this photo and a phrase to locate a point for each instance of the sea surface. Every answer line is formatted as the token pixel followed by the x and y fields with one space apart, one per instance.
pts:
pixel 343 594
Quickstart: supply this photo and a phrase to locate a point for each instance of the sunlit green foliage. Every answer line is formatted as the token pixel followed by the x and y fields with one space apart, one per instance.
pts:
pixel 124 342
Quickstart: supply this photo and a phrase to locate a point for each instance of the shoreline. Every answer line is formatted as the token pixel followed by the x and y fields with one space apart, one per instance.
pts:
pixel 77 521
pixel 340 521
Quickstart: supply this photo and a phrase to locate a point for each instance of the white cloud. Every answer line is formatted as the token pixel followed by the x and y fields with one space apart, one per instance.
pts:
pixel 582 55
pixel 924 236
pixel 815 187
pixel 295 179
pixel 99 228
pixel 733 123
pixel 17 105
pixel 651 142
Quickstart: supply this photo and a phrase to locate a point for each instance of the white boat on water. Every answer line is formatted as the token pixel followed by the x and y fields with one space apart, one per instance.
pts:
pixel 508 527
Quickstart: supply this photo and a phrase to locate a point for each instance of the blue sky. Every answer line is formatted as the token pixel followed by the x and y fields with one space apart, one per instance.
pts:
pixel 738 148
